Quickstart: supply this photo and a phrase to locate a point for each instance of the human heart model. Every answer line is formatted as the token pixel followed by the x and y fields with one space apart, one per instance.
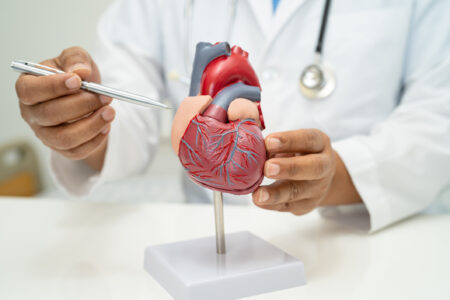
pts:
pixel 216 131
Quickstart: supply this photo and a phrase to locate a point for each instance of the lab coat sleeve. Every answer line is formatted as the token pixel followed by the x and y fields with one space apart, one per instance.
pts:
pixel 129 57
pixel 404 163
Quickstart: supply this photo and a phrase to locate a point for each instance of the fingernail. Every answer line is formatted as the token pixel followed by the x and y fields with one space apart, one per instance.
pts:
pixel 108 114
pixel 78 66
pixel 273 169
pixel 73 83
pixel 106 130
pixel 105 100
pixel 273 143
pixel 263 196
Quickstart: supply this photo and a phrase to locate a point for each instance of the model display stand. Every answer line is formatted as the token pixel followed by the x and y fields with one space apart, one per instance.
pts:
pixel 194 269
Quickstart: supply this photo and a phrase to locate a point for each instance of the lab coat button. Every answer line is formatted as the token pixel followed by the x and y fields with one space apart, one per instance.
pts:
pixel 269 75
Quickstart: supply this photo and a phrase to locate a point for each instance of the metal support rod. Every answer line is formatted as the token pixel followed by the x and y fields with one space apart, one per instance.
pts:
pixel 218 215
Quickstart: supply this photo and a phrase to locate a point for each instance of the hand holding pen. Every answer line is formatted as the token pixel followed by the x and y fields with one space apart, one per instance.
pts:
pixel 73 122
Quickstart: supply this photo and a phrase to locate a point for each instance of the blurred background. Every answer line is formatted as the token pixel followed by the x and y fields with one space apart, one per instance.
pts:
pixel 26 33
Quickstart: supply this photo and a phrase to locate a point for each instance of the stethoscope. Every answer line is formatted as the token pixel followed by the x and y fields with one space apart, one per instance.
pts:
pixel 317 80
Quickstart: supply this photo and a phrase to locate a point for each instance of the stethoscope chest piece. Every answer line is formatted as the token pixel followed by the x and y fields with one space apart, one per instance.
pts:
pixel 317 81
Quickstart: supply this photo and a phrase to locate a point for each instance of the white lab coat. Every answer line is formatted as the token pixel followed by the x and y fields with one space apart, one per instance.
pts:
pixel 389 117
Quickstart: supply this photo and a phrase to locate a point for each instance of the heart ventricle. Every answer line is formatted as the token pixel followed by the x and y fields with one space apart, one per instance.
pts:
pixel 227 157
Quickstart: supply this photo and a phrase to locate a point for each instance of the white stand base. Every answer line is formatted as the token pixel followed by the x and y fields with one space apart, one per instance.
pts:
pixel 192 270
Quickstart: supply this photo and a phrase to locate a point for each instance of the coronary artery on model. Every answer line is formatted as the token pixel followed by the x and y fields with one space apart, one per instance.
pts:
pixel 216 131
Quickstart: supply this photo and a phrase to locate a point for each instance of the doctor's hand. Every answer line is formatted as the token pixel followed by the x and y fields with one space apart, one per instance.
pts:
pixel 308 173
pixel 68 120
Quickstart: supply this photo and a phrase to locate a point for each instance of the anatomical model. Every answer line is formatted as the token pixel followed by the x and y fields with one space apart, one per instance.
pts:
pixel 216 131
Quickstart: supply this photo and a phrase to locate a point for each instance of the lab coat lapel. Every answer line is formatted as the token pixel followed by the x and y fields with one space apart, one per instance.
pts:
pixel 271 24
pixel 286 9
pixel 262 9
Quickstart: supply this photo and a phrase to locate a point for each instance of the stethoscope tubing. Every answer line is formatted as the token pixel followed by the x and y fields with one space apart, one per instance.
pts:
pixel 323 27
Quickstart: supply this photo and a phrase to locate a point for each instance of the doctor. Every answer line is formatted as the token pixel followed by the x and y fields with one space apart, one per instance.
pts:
pixel 379 137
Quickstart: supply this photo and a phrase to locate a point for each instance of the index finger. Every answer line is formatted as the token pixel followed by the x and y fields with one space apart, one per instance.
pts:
pixel 296 141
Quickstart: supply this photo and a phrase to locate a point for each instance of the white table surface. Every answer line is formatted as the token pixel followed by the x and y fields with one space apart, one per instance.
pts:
pixel 52 249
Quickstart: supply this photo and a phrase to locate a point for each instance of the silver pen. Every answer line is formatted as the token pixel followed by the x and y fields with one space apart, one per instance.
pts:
pixel 41 70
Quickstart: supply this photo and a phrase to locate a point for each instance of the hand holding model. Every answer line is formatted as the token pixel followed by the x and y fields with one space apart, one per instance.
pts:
pixel 304 164
pixel 68 120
